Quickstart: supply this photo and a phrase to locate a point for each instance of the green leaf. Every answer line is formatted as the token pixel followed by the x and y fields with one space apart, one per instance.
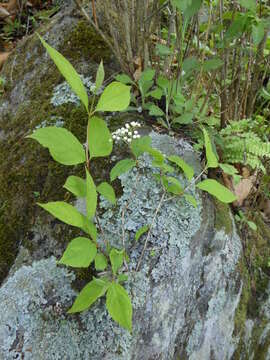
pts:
pixel 216 189
pixel 119 305
pixel 117 259
pixel 237 28
pixel 188 170
pixel 90 229
pixel 64 147
pixel 144 88
pixel 248 4
pixel 174 185
pixel 265 94
pixel 122 278
pixel 163 50
pixel 79 253
pixel 147 75
pixel 91 196
pixel 190 64
pixel 101 262
pixel 100 76
pixel 157 155
pixel 258 32
pixel 140 145
pixel 252 225
pixel 155 111
pixel 228 169
pixel 212 64
pixel 66 213
pixel 156 94
pixel 212 161
pixel 107 191
pixel 181 4
pixel 192 9
pixel 163 82
pixel 124 79
pixel 89 294
pixel 191 199
pixel 115 97
pixel 99 138
pixel 76 186
pixel 164 167
pixel 69 73
pixel 184 119
pixel 121 167
pixel 141 231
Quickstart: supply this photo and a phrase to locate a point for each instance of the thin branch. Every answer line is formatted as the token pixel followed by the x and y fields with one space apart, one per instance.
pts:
pixel 150 230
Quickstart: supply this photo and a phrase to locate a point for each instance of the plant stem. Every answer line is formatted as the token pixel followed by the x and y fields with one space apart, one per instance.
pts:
pixel 150 230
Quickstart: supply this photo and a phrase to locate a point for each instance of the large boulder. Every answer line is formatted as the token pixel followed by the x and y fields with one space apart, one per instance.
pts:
pixel 185 295
pixel 198 294
pixel 26 171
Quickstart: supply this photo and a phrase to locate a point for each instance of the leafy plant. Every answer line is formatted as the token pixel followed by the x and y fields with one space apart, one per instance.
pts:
pixel 2 85
pixel 242 220
pixel 65 148
pixel 89 249
pixel 241 144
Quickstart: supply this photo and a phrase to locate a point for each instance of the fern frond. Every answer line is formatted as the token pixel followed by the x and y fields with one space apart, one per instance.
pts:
pixel 242 145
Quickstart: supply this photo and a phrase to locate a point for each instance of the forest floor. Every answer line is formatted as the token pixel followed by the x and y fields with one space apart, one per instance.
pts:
pixel 18 21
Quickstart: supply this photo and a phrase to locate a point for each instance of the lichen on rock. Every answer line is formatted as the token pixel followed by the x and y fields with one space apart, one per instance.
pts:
pixel 184 296
pixel 27 172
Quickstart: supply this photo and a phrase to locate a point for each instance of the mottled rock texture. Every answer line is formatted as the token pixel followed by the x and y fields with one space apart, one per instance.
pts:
pixel 27 172
pixel 184 297
pixel 196 296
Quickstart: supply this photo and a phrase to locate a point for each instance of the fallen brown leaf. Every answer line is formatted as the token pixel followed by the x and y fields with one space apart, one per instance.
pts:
pixel 243 188
pixel 3 58
pixel 138 65
pixel 4 14
pixel 11 6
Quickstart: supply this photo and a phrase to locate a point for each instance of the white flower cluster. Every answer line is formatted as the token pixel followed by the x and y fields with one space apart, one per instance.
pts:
pixel 127 133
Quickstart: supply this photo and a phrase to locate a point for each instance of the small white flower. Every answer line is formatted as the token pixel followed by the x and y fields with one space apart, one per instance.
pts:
pixel 129 133
pixel 133 123
pixel 117 138
pixel 129 140
pixel 125 138
pixel 113 136
pixel 127 126
pixel 135 132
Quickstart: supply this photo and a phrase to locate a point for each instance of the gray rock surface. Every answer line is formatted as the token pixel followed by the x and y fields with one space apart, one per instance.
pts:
pixel 31 81
pixel 184 297
pixel 191 297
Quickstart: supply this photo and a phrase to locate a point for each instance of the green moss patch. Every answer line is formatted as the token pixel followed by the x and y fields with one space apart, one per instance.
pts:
pixel 254 273
pixel 223 217
pixel 83 41
pixel 27 172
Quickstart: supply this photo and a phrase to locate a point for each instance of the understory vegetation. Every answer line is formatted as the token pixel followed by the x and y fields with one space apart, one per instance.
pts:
pixel 198 69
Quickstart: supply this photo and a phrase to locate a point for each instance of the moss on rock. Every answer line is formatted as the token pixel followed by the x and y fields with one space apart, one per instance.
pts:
pixel 255 280
pixel 223 218
pixel 27 170
pixel 77 43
